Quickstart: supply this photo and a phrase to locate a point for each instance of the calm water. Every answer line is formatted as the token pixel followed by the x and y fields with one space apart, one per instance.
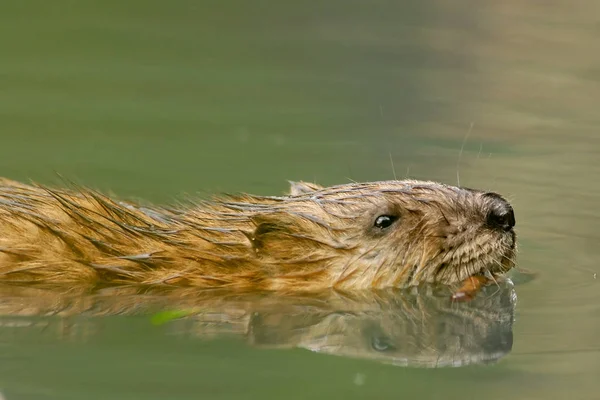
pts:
pixel 156 99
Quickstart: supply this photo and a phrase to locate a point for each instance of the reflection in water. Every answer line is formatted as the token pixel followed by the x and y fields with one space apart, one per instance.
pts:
pixel 420 327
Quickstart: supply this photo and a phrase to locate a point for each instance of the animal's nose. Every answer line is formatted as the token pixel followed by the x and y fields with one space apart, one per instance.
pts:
pixel 501 215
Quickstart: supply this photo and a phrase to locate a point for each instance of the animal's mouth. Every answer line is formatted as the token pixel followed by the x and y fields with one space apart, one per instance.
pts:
pixel 500 263
pixel 497 260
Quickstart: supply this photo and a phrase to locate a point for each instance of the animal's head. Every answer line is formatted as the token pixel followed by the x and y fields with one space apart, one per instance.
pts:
pixel 392 233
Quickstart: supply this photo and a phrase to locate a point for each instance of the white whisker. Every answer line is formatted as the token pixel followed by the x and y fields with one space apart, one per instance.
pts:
pixel 460 154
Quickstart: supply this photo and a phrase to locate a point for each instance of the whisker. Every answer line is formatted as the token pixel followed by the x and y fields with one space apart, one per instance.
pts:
pixel 490 276
pixel 460 154
pixel 393 169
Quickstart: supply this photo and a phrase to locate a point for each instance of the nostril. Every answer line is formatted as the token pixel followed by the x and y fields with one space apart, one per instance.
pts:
pixel 501 216
pixel 504 221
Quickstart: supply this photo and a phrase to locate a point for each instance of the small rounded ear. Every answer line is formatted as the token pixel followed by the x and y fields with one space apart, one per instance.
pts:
pixel 285 237
pixel 299 188
pixel 274 235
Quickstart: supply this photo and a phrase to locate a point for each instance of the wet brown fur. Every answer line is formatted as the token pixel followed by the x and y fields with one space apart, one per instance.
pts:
pixel 311 239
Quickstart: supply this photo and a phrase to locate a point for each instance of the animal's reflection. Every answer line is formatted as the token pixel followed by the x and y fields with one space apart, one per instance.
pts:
pixel 419 327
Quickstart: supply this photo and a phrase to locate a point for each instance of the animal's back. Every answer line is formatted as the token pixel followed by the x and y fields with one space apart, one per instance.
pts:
pixel 80 235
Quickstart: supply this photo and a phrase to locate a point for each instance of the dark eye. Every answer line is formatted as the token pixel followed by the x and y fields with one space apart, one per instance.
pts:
pixel 384 221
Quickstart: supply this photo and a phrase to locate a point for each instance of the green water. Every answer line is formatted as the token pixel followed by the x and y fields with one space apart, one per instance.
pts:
pixel 155 99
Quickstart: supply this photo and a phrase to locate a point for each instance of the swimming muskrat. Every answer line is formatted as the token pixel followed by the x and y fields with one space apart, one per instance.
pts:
pixel 352 236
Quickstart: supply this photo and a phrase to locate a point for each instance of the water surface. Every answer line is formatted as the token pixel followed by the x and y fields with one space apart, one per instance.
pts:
pixel 154 100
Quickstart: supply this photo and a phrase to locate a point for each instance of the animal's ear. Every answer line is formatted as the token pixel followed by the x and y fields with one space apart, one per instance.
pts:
pixel 283 236
pixel 298 188
pixel 274 235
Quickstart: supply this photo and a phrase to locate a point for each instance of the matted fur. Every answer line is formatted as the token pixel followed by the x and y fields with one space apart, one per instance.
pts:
pixel 311 239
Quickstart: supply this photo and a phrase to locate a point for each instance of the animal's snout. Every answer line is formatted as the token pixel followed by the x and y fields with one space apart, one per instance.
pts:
pixel 501 215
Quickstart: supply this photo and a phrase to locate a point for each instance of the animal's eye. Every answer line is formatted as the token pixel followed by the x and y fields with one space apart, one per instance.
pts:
pixel 381 344
pixel 384 221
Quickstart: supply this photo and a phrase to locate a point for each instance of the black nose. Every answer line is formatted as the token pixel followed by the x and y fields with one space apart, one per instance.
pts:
pixel 501 214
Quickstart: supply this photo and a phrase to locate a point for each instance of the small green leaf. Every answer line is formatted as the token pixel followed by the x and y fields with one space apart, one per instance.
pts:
pixel 163 317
